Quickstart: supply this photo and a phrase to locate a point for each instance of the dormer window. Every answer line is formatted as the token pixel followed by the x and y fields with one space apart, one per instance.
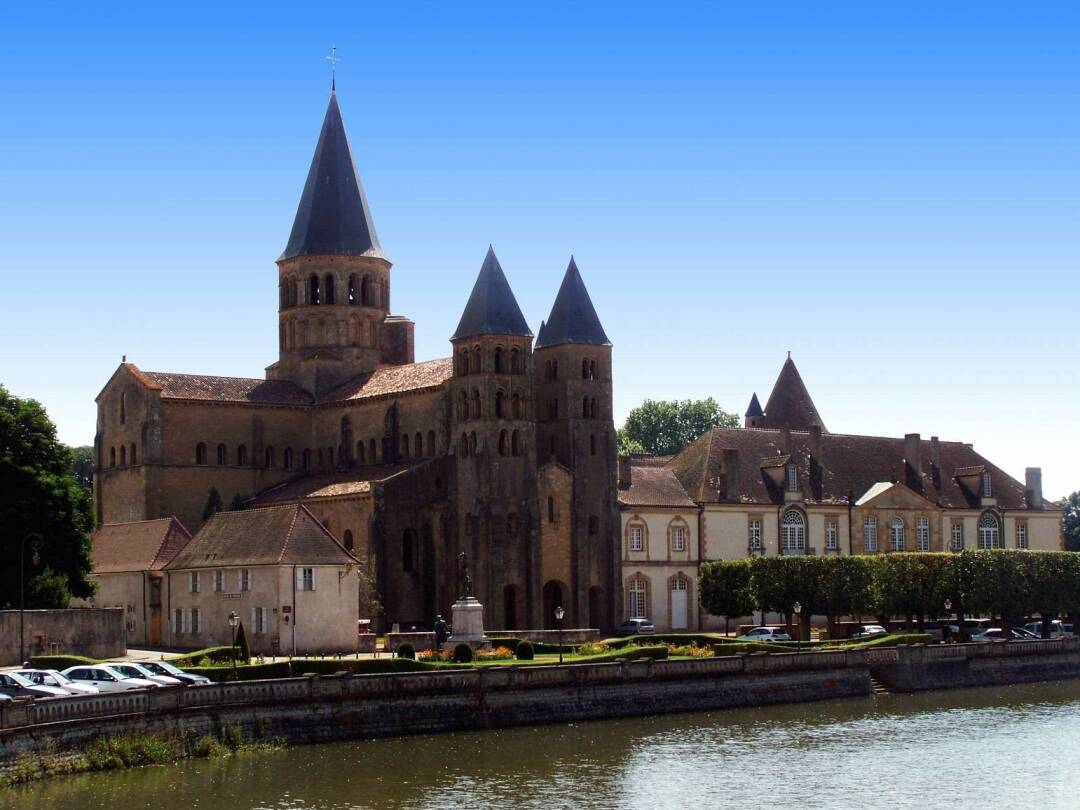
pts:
pixel 987 488
pixel 792 478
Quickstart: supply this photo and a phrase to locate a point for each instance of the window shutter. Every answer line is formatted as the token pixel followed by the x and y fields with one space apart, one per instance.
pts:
pixel 312 577
pixel 299 579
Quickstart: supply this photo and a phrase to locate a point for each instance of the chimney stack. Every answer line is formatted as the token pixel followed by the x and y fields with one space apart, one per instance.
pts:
pixel 625 471
pixel 815 442
pixel 731 475
pixel 1033 487
pixel 913 452
pixel 935 452
pixel 785 440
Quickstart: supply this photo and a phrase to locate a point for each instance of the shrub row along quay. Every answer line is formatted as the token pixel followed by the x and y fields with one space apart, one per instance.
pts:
pixel 1008 584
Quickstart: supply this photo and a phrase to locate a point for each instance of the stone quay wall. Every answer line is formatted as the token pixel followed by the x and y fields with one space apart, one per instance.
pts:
pixel 341 707
pixel 920 668
pixel 94 632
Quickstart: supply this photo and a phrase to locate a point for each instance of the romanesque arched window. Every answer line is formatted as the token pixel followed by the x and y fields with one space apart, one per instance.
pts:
pixel 793 531
pixel 269 458
pixel 516 406
pixel 551 509
pixel 499 359
pixel 585 408
pixel 222 455
pixel 592 444
pixel 896 534
pixel 365 291
pixel 500 406
pixel 475 360
pixel 373 452
pixel 472 442
pixel 348 539
pixel 463 362
pixel 553 408
pixel 354 290
pixel 123 407
pixel 592 370
pixel 418 445
pixel 313 289
pixel 431 442
pixel 360 454
pixel 463 445
pixel 515 443
pixel 306 459
pixel 241 456
pixel 200 453
pixel 328 289
pixel 989 531
pixel 112 456
pixel 515 361
pixel 503 443
pixel 585 370
pixel 287 463
pixel 476 412
pixel 133 457
pixel 404 445
pixel 123 456
pixel 463 406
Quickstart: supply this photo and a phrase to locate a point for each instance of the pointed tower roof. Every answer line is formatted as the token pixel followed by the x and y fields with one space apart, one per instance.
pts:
pixel 333 217
pixel 789 403
pixel 754 408
pixel 573 318
pixel 492 308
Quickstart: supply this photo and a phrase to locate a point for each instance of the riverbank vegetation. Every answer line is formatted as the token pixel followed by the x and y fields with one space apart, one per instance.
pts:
pixel 1009 584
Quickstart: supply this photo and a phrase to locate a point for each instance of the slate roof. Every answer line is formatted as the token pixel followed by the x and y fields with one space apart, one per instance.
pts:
pixel 333 217
pixel 145 545
pixel 789 403
pixel 492 308
pixel 222 389
pixel 653 486
pixel 391 380
pixel 270 535
pixel 354 481
pixel 754 408
pixel 846 468
pixel 573 317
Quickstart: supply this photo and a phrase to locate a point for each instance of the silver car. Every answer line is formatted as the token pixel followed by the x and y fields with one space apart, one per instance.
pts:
pixel 50 677
pixel 139 671
pixel 765 634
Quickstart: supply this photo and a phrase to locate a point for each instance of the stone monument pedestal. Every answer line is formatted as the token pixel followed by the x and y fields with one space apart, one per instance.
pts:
pixel 467 621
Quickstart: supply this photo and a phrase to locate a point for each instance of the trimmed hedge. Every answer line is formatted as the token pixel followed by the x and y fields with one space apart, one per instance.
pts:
pixel 217 655
pixel 463 654
pixel 524 651
pixel 405 650
pixel 677 639
pixel 539 647
pixel 315 666
pixel 60 661
pixel 656 653
pixel 736 647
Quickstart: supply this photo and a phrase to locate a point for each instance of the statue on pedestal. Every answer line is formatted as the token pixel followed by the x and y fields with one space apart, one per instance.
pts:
pixel 463 572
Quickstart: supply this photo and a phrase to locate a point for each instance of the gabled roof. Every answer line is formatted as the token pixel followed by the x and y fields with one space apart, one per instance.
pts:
pixel 843 468
pixel 902 494
pixel 492 308
pixel 145 545
pixel 392 380
pixel 789 403
pixel 333 217
pixel 352 482
pixel 654 486
pixel 754 408
pixel 224 389
pixel 573 318
pixel 271 535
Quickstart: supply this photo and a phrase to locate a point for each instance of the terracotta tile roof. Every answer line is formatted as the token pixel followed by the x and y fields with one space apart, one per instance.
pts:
pixel 353 481
pixel 271 535
pixel 973 469
pixel 391 380
pixel 789 403
pixel 653 486
pixel 224 389
pixel 847 467
pixel 145 545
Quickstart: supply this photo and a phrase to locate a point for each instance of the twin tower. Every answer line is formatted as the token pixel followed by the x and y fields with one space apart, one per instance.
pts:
pixel 524 429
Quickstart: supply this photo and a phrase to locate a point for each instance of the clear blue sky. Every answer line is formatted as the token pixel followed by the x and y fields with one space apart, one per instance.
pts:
pixel 888 190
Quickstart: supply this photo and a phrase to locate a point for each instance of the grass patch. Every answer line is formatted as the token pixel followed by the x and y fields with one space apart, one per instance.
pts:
pixel 316 666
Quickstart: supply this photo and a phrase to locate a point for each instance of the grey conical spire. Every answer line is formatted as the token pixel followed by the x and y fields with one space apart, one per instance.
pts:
pixel 333 217
pixel 492 308
pixel 573 317
pixel 754 408
pixel 789 405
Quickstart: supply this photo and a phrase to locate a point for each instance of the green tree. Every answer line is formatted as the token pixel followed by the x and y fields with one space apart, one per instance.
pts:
pixel 40 496
pixel 627 445
pixel 724 589
pixel 664 428
pixel 846 588
pixel 82 466
pixel 238 504
pixel 1070 521
pixel 243 650
pixel 213 504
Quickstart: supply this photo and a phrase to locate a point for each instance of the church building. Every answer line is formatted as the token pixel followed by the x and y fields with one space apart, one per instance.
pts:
pixel 504 450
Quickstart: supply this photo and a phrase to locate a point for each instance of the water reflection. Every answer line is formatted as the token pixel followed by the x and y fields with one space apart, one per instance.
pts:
pixel 978 748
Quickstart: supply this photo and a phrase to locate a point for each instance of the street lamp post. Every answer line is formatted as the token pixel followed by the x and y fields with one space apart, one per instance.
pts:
pixel 34 546
pixel 948 610
pixel 797 607
pixel 234 620
pixel 559 613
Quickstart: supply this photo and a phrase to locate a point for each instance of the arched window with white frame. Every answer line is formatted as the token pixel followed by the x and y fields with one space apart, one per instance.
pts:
pixel 896 534
pixel 989 531
pixel 793 532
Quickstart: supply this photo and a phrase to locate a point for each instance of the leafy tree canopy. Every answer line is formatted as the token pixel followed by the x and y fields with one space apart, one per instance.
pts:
pixel 1071 520
pixel 666 427
pixel 83 465
pixel 42 503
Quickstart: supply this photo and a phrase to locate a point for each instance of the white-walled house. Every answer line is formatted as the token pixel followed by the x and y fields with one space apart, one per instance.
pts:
pixel 293 585
pixel 784 485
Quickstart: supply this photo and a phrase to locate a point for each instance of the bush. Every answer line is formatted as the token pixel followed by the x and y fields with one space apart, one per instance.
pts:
pixel 524 651
pixel 60 661
pixel 217 655
pixel 463 654
pixel 286 669
pixel 538 646
pixel 243 650
pixel 656 653
pixel 406 650
pixel 677 639
pixel 127 750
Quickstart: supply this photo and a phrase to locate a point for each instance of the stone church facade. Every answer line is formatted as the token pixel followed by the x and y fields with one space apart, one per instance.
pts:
pixel 505 450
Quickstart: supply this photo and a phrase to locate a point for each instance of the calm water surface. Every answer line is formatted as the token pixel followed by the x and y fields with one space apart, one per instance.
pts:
pixel 979 748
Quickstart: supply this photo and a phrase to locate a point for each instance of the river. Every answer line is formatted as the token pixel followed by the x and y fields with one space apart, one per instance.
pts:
pixel 1011 747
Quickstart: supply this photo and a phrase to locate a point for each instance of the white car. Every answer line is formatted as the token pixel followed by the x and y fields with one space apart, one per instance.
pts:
pixel 870 631
pixel 139 671
pixel 15 685
pixel 105 679
pixel 165 668
pixel 50 677
pixel 765 634
pixel 1058 629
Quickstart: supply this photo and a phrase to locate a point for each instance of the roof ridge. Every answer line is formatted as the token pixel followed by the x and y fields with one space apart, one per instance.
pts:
pixel 292 527
pixel 134 522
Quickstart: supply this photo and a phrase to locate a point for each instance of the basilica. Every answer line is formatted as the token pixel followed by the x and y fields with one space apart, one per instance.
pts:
pixel 504 450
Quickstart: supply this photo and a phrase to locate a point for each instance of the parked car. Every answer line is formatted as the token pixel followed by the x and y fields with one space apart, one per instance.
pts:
pixel 998 634
pixel 1058 629
pixel 4 699
pixel 16 686
pixel 132 670
pixel 633 627
pixel 50 677
pixel 165 668
pixel 870 631
pixel 765 634
pixel 106 679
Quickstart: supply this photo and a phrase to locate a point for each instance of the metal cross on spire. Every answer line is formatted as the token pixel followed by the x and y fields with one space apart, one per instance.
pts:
pixel 333 59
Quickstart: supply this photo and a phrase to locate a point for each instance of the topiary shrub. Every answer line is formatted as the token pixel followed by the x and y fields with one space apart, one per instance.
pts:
pixel 524 651
pixel 243 651
pixel 463 654
pixel 406 650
